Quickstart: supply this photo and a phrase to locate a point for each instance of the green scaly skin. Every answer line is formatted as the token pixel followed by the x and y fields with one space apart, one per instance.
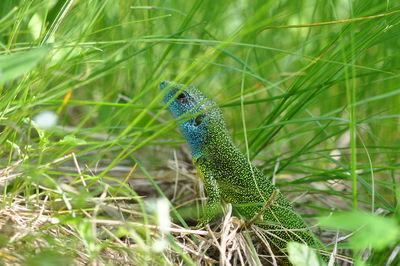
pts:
pixel 227 173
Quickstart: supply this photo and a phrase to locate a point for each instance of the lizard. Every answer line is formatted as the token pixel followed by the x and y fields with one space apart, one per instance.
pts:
pixel 227 173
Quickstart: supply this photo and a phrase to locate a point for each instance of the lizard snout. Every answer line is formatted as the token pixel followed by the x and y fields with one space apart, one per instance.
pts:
pixel 164 84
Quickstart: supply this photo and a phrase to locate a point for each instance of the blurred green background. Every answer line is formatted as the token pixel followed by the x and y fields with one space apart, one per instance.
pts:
pixel 320 104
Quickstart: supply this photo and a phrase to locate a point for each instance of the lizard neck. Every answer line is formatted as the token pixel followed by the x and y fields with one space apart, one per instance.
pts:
pixel 215 145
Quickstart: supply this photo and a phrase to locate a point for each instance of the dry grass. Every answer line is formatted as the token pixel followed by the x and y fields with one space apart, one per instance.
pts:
pixel 36 223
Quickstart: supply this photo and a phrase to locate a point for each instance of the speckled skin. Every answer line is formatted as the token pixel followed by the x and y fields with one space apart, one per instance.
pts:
pixel 226 172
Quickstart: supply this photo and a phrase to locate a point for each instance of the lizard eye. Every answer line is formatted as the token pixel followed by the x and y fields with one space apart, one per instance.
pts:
pixel 182 98
pixel 198 120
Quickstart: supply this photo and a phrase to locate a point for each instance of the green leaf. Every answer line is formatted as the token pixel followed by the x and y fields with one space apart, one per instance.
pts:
pixel 49 257
pixel 14 65
pixel 73 140
pixel 302 255
pixel 369 230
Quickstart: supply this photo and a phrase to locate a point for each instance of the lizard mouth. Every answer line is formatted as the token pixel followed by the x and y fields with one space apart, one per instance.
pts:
pixel 164 84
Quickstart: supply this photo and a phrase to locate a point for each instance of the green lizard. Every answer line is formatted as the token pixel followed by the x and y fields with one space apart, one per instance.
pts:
pixel 227 173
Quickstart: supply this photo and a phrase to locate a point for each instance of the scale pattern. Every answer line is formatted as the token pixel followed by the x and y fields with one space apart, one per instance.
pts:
pixel 226 172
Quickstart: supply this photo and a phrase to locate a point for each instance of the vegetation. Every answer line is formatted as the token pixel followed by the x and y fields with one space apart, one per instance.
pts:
pixel 90 160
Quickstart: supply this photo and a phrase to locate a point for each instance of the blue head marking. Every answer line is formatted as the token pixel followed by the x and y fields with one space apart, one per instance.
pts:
pixel 193 111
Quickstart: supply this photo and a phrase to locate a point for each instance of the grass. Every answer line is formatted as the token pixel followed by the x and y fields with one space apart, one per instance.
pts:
pixel 315 107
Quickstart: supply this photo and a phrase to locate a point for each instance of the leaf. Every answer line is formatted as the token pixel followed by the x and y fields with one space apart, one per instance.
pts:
pixel 49 257
pixel 72 140
pixel 302 255
pixel 370 230
pixel 15 65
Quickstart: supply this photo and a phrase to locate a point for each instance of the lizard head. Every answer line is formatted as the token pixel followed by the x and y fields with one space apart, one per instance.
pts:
pixel 199 118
